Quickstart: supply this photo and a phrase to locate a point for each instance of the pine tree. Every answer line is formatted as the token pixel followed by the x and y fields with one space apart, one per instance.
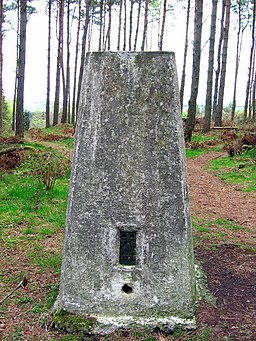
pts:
pixel 196 69
pixel 21 70
pixel 208 101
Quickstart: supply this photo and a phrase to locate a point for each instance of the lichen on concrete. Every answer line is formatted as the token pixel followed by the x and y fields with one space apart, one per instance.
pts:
pixel 129 175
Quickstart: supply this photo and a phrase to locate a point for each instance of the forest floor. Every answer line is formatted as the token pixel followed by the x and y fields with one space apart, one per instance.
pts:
pixel 229 262
pixel 224 229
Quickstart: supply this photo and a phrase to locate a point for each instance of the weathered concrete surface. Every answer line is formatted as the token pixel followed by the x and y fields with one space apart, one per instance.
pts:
pixel 129 174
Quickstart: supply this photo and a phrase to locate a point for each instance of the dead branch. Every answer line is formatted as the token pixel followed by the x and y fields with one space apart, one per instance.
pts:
pixel 23 283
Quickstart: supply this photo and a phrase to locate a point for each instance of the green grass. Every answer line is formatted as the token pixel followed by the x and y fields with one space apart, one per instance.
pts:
pixel 200 137
pixel 239 170
pixel 68 142
pixel 45 261
pixel 195 152
pixel 200 148
pixel 58 130
pixel 35 145
pixel 207 231
pixel 206 226
pixel 227 224
pixel 24 202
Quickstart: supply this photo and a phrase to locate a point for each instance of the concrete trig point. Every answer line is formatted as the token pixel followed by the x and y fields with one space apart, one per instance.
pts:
pixel 128 256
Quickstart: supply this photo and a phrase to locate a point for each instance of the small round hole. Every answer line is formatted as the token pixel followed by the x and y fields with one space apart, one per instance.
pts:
pixel 127 289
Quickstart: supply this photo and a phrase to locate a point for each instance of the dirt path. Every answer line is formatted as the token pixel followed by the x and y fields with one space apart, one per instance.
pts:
pixel 230 270
pixel 211 198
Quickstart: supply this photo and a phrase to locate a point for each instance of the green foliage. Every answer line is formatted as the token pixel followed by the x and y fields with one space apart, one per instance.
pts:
pixel 46 166
pixel 37 119
pixel 25 299
pixel 7 115
pixel 27 117
pixel 49 167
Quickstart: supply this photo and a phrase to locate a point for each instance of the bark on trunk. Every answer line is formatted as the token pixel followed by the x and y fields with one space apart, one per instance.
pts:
pixel 137 26
pixel 73 113
pixel 183 77
pixel 125 25
pixel 21 70
pixel 250 66
pixel 109 23
pixel 101 24
pixel 196 69
pixel 208 101
pixel 86 25
pixel 1 65
pixel 163 26
pixel 145 28
pixel 59 65
pixel 16 71
pixel 66 94
pixel 218 117
pixel 253 98
pixel 130 31
pixel 238 54
pixel 120 24
pixel 217 73
pixel 251 88
pixel 48 90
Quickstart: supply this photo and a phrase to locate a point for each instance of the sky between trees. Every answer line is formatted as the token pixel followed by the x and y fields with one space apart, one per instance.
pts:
pixel 173 40
pixel 36 53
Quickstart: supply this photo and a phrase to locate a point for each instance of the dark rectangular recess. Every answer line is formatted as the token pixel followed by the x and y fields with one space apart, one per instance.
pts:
pixel 127 248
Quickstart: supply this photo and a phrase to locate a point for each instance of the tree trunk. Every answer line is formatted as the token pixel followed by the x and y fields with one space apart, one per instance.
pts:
pixel 66 93
pixel 104 26
pixel 101 21
pixel 16 71
pixel 196 69
pixel 183 77
pixel 1 65
pixel 73 113
pixel 251 88
pixel 109 23
pixel 238 54
pixel 250 65
pixel 145 28
pixel 218 117
pixel 21 70
pixel 208 101
pixel 86 25
pixel 217 73
pixel 125 25
pixel 47 109
pixel 130 31
pixel 120 24
pixel 162 28
pixel 253 98
pixel 137 26
pixel 90 29
pixel 59 64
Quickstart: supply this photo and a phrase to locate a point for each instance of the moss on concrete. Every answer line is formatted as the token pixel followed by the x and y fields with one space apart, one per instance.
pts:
pixel 72 323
